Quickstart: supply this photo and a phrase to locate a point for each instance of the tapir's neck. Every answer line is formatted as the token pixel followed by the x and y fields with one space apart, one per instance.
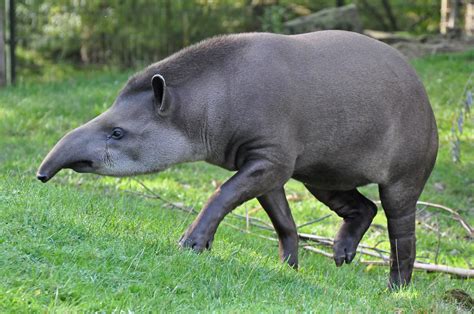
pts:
pixel 220 142
pixel 204 117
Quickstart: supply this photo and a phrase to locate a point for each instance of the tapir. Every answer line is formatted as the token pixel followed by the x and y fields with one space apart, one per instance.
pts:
pixel 334 110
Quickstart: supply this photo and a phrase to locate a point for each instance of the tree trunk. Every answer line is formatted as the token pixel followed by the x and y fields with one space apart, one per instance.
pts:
pixel 453 15
pixel 390 15
pixel 373 11
pixel 11 41
pixel 3 71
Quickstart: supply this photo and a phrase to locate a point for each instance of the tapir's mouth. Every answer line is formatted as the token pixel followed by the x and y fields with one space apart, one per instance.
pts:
pixel 49 170
pixel 80 165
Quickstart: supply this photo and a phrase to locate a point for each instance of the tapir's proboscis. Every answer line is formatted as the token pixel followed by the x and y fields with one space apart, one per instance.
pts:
pixel 334 110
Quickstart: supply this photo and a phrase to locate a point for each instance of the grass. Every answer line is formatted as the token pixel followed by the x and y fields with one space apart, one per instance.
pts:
pixel 83 243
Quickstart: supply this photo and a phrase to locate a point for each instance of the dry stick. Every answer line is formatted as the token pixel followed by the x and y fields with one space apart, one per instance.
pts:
pixel 258 223
pixel 254 210
pixel 327 241
pixel 252 220
pixel 456 215
pixel 362 249
pixel 305 236
pixel 420 210
pixel 315 250
pixel 320 240
pixel 249 232
pixel 316 238
pixel 313 221
pixel 263 225
pixel 159 197
pixel 467 273
pixel 431 228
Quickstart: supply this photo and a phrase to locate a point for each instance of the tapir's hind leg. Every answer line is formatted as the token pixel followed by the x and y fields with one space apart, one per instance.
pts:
pixel 399 203
pixel 357 212
pixel 277 208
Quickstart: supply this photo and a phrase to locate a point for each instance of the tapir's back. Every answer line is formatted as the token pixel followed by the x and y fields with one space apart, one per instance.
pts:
pixel 342 97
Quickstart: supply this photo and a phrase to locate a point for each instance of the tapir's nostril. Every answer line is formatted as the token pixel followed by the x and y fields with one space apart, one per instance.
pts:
pixel 43 178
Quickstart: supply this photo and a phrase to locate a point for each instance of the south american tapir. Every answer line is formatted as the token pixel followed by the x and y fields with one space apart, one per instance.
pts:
pixel 334 110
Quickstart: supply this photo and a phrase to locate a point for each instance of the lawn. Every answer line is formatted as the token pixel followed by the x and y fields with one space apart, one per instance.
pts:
pixel 88 243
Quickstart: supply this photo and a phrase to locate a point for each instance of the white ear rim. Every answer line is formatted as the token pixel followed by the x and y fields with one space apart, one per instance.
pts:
pixel 160 77
pixel 163 81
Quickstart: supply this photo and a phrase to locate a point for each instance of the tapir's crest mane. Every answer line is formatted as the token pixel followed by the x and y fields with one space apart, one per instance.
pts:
pixel 189 62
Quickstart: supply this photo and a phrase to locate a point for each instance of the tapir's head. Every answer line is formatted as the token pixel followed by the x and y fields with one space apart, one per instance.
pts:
pixel 135 136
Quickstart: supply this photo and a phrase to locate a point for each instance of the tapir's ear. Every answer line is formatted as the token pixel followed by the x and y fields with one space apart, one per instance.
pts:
pixel 161 94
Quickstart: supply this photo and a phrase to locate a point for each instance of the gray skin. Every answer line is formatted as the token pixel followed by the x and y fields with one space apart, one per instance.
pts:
pixel 334 110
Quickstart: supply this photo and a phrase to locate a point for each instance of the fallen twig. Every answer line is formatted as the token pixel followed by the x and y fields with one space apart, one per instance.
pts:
pixel 456 215
pixel 429 227
pixel 252 220
pixel 316 250
pixel 330 242
pixel 462 272
pixel 313 221
pixel 363 249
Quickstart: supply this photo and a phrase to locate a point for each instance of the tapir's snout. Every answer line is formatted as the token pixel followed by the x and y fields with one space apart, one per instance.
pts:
pixel 44 174
pixel 42 177
pixel 74 151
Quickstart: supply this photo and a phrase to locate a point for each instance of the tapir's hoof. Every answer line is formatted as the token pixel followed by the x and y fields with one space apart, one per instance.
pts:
pixel 395 285
pixel 197 244
pixel 344 251
pixel 398 281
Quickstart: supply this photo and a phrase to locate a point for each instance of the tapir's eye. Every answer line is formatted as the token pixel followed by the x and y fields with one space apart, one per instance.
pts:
pixel 117 133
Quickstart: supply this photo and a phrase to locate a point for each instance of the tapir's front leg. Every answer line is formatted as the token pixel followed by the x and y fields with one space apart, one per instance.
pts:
pixel 255 178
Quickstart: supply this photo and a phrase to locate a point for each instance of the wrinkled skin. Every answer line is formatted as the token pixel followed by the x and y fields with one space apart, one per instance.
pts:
pixel 334 110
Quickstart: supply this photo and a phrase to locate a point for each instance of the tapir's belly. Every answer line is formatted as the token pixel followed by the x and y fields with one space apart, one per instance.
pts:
pixel 327 177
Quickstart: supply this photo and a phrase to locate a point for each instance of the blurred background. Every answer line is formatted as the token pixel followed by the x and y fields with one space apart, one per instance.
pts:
pixel 39 35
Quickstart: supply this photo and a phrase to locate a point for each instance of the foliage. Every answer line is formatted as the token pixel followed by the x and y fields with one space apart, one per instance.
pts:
pixel 466 104
pixel 420 16
pixel 132 33
pixel 272 19
pixel 83 243
pixel 125 32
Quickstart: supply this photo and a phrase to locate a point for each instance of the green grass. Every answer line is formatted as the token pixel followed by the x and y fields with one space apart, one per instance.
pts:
pixel 83 243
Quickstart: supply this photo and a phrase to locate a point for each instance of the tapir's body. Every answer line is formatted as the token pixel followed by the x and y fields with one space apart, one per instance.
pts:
pixel 334 110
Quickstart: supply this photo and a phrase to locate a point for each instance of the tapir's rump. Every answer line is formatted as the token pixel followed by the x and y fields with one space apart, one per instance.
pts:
pixel 335 110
